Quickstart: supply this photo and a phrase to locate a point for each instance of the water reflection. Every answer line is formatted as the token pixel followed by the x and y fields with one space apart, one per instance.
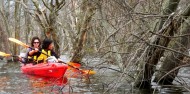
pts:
pixel 160 90
pixel 12 81
pixel 3 81
pixel 171 91
pixel 37 81
pixel 44 85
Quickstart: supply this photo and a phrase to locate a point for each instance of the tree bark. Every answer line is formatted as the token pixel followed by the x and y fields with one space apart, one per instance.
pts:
pixel 4 46
pixel 5 32
pixel 164 37
pixel 27 22
pixel 83 27
pixel 173 59
pixel 17 16
pixel 153 54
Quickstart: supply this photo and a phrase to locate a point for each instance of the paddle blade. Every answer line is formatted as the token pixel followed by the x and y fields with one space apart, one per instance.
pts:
pixel 18 42
pixel 89 72
pixel 76 65
pixel 4 54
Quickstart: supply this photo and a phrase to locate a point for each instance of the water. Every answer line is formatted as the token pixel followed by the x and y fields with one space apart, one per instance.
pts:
pixel 105 81
pixel 12 81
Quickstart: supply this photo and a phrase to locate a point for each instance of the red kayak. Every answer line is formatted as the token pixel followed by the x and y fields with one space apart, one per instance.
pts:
pixel 45 69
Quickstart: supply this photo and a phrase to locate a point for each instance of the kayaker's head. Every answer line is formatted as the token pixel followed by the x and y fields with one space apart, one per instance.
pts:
pixel 35 42
pixel 47 44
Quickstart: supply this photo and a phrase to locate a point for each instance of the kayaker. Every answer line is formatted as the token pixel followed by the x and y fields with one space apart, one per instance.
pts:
pixel 32 53
pixel 47 51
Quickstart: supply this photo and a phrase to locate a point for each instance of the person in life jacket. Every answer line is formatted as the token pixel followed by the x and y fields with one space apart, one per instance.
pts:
pixel 33 54
pixel 47 51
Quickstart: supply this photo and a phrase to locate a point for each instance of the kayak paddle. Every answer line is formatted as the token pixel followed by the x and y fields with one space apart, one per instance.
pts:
pixel 88 72
pixel 19 42
pixel 8 55
pixel 4 54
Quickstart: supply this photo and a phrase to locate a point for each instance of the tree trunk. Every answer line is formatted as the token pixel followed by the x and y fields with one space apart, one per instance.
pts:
pixel 167 71
pixel 17 27
pixel 153 53
pixel 83 27
pixel 27 23
pixel 4 46
pixel 5 32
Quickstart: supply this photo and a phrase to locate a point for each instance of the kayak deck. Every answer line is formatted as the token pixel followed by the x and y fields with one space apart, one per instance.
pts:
pixel 45 69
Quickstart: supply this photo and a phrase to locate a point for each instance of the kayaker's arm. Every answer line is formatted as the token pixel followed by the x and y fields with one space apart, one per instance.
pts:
pixel 57 57
pixel 54 54
pixel 33 51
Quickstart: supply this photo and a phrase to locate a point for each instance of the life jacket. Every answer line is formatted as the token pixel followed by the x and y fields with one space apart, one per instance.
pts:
pixel 44 55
